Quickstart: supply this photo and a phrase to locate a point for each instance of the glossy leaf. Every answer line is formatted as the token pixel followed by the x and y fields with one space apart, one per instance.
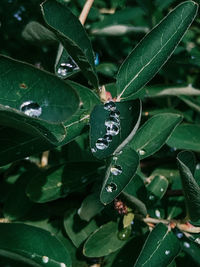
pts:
pixel 90 207
pixel 135 195
pixel 157 188
pixel 62 70
pixel 72 35
pixel 80 119
pixel 33 245
pixel 186 164
pixel 185 136
pixel 127 124
pixel 59 181
pixel 77 229
pixel 103 241
pixel 154 50
pixel 154 133
pixel 160 248
pixel 119 173
pixel 29 85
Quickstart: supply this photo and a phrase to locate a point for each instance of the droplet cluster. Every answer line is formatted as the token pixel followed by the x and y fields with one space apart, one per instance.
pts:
pixel 31 109
pixel 66 68
pixel 112 125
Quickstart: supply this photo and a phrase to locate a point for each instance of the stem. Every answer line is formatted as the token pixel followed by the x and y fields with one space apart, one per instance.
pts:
pixel 85 11
pixel 44 159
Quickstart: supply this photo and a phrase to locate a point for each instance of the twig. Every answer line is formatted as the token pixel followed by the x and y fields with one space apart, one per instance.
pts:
pixel 85 11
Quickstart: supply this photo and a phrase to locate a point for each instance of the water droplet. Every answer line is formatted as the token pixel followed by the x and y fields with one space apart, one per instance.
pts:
pixel 115 114
pixel 157 213
pixel 112 130
pixel 110 106
pixel 173 149
pixel 67 68
pixel 108 137
pixel 198 166
pixel 33 255
pixel 192 57
pixel 161 189
pixel 45 259
pixel 116 170
pixel 115 158
pixel 124 233
pixel 31 109
pixel 62 264
pixel 167 252
pixel 179 235
pixel 59 184
pixel 142 152
pixel 111 187
pixel 94 150
pixel 101 144
pixel 197 240
pixel 112 121
pixel 186 244
pixel 151 197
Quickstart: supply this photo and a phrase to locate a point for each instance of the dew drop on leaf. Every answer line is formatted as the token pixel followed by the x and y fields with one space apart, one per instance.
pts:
pixel 45 259
pixel 31 109
pixel 157 213
pixel 101 144
pixel 67 68
pixel 197 240
pixel 186 244
pixel 142 152
pixel 167 252
pixel 179 235
pixel 110 106
pixel 111 187
pixel 116 170
pixel 112 130
pixel 108 137
pixel 151 197
pixel 115 114
pixel 62 264
pixel 124 233
pixel 94 150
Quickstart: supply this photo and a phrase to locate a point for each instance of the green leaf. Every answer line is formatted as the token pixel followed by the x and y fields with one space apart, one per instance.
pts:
pixel 127 124
pixel 72 35
pixel 191 190
pixel 17 209
pixel 29 87
pixel 60 181
pixel 103 241
pixel 157 188
pixel 135 195
pixel 16 144
pixel 33 245
pixel 75 126
pixel 77 229
pixel 154 50
pixel 119 173
pixel 191 249
pixel 154 133
pixel 160 248
pixel 36 32
pixel 90 207
pixel 185 136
